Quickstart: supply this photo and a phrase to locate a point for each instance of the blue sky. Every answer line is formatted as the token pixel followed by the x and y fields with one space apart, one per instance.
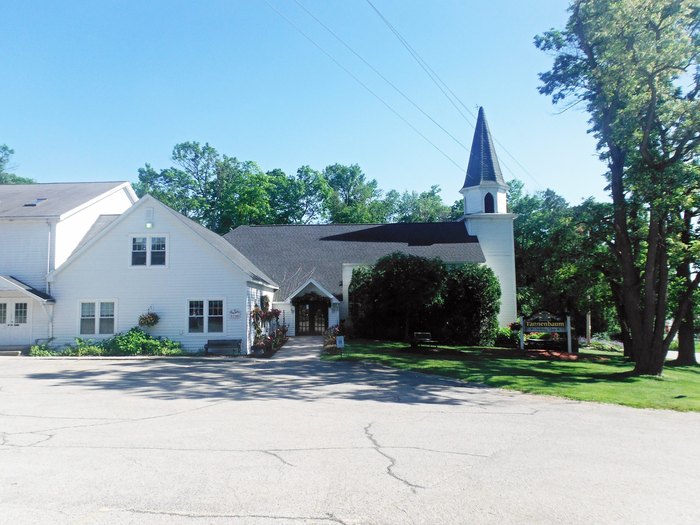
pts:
pixel 94 90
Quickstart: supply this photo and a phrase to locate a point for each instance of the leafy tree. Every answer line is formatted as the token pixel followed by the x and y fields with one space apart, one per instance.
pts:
pixel 9 178
pixel 426 206
pixel 218 191
pixel 634 63
pixel 557 257
pixel 299 199
pixel 353 198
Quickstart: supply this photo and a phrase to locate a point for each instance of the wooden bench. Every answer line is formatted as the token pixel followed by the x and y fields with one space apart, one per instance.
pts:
pixel 223 347
pixel 423 340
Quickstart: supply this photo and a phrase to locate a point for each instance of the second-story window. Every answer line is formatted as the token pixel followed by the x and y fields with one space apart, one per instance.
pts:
pixel 150 250
pixel 138 251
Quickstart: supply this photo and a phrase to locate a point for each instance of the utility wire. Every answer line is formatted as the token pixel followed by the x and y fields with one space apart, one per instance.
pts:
pixel 442 86
pixel 347 46
pixel 354 77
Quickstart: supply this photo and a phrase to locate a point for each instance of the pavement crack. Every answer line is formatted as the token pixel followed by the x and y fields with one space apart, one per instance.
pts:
pixel 392 461
pixel 275 455
pixel 180 514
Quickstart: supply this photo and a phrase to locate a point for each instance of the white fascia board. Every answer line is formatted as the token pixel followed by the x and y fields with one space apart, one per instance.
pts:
pixel 123 186
pixel 317 285
pixel 51 276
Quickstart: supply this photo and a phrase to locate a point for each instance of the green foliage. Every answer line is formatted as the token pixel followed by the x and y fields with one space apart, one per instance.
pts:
pixel 595 376
pixel 42 350
pixel 391 298
pixel 404 293
pixel 506 337
pixel 131 343
pixel 471 304
pixel 635 64
pixel 562 256
pixel 421 207
pixel 353 198
pixel 8 178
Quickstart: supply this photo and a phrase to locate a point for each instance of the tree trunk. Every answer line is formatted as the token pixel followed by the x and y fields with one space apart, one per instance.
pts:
pixel 686 340
pixel 686 332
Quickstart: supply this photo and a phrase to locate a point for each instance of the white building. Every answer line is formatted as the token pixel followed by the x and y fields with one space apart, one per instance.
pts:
pixel 40 226
pixel 153 259
pixel 87 260
pixel 313 263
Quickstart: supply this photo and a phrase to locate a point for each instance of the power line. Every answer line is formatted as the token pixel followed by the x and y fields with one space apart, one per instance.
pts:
pixel 354 77
pixel 440 83
pixel 347 46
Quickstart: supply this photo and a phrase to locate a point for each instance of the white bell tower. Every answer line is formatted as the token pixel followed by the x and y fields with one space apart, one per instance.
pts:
pixel 487 217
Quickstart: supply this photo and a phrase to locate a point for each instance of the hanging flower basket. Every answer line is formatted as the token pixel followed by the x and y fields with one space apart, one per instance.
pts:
pixel 149 319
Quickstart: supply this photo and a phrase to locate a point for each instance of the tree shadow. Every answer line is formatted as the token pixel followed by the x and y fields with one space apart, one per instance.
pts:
pixel 256 380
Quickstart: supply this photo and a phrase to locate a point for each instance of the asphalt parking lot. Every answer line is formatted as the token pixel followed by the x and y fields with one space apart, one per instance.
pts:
pixel 296 440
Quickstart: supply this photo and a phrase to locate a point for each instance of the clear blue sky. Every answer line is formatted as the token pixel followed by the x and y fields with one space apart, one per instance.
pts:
pixel 94 90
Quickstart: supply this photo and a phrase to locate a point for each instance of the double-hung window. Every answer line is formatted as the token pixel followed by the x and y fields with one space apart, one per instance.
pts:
pixel 206 316
pixel 97 317
pixel 148 250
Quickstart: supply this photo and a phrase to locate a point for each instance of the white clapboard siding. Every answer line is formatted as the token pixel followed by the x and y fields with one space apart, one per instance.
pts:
pixel 24 251
pixel 71 230
pixel 194 271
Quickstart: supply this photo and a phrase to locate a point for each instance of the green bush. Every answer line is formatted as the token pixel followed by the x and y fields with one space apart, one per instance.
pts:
pixel 507 338
pixel 42 350
pixel 132 342
pixel 138 342
pixel 402 294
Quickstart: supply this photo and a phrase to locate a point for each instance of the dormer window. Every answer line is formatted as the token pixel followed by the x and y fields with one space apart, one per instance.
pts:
pixel 488 204
pixel 148 250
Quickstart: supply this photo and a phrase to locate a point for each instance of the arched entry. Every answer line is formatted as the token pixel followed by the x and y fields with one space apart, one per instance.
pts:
pixel 311 314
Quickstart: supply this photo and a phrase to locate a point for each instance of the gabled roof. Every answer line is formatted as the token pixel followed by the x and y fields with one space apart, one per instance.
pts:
pixel 106 223
pixel 9 282
pixel 483 162
pixel 55 200
pixel 293 254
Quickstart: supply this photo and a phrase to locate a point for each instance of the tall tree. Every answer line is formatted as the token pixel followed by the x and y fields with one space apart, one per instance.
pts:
pixel 9 178
pixel 218 191
pixel 354 199
pixel 299 199
pixel 634 63
pixel 426 206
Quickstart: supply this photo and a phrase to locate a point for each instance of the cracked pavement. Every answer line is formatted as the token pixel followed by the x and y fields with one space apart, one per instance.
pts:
pixel 296 440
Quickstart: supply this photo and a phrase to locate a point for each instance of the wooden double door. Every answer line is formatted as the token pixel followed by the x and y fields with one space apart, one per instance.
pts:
pixel 311 318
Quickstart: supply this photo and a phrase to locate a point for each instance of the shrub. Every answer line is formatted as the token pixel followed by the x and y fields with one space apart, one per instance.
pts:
pixel 405 293
pixel 42 350
pixel 507 338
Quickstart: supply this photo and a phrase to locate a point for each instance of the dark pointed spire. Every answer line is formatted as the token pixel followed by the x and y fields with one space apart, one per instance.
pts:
pixel 483 163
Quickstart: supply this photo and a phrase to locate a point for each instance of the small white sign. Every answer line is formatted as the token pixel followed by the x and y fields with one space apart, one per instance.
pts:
pixel 340 341
pixel 235 314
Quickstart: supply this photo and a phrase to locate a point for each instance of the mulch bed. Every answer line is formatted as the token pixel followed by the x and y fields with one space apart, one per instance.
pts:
pixel 530 353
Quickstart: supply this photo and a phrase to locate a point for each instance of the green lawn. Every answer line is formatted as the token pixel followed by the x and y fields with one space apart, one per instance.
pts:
pixel 598 376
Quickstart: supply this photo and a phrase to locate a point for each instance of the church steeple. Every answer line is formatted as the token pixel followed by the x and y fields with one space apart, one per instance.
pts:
pixel 484 188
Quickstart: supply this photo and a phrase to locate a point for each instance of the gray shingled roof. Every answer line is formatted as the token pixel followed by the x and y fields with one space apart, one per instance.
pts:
pixel 483 162
pixel 60 198
pixel 32 291
pixel 293 254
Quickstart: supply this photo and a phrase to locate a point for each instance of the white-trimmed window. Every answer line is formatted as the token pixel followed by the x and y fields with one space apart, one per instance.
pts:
pixel 205 316
pixel 149 250
pixel 97 317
